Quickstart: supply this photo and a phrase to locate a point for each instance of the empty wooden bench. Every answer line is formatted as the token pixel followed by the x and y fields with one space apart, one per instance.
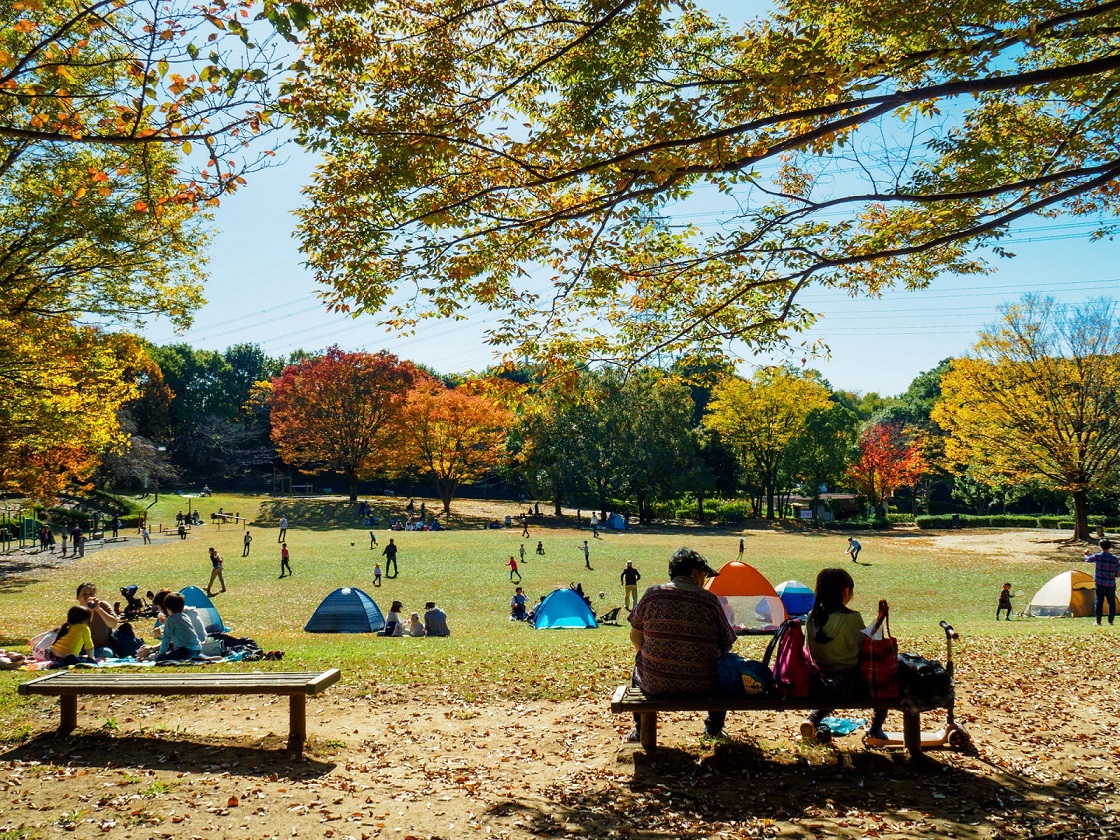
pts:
pixel 628 699
pixel 67 685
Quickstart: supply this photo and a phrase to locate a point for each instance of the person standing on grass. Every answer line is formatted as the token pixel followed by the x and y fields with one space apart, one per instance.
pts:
pixel 629 578
pixel 524 532
pixel 513 569
pixel 853 548
pixel 586 555
pixel 216 572
pixel 742 545
pixel 143 532
pixel 283 529
pixel 376 574
pixel 521 552
pixel 247 541
pixel 1108 567
pixel 284 557
pixel 390 555
pixel 1004 601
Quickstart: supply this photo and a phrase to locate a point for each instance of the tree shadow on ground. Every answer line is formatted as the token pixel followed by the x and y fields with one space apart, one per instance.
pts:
pixel 822 792
pixel 264 757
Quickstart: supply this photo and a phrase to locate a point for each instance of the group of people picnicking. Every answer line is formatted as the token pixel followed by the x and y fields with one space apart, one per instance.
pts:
pixel 433 623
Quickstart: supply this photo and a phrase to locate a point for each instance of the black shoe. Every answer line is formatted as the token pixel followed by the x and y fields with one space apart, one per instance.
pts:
pixel 632 737
pixel 824 734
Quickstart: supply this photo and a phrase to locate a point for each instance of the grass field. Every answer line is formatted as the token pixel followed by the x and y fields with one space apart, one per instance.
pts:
pixel 464 571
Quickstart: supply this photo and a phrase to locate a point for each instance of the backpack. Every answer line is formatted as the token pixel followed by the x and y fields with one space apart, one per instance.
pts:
pixel 924 681
pixel 743 677
pixel 793 669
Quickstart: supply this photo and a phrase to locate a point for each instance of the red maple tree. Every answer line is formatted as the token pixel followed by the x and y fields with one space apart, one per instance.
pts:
pixel 341 412
pixel 889 458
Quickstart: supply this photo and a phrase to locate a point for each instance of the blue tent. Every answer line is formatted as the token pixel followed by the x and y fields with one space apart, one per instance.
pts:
pixel 564 609
pixel 198 599
pixel 346 610
pixel 616 522
pixel 796 597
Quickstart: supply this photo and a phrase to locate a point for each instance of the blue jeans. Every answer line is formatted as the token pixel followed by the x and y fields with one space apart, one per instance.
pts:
pixel 1106 593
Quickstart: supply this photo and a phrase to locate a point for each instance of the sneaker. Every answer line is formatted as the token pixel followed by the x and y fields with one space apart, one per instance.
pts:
pixel 1098 624
pixel 877 734
pixel 824 734
pixel 632 737
pixel 713 733
pixel 808 732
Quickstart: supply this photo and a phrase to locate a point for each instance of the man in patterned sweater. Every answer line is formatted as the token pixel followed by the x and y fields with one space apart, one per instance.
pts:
pixel 680 631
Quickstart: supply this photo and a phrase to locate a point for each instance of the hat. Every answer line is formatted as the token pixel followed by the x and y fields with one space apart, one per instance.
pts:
pixel 687 560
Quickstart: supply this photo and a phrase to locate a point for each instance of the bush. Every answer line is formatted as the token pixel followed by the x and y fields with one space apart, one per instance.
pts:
pixel 735 510
pixel 900 518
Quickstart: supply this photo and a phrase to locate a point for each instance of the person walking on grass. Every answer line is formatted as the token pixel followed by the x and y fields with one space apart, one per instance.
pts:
pixel 143 532
pixel 215 572
pixel 629 578
pixel 372 540
pixel 513 569
pixel 853 548
pixel 1108 567
pixel 376 574
pixel 521 552
pixel 586 555
pixel 284 557
pixel 1004 601
pixel 524 532
pixel 246 542
pixel 390 555
pixel 283 529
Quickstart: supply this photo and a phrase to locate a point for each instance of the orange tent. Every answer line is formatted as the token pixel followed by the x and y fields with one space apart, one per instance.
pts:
pixel 748 598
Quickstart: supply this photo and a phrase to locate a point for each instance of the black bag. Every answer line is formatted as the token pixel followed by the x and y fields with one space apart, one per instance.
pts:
pixel 924 680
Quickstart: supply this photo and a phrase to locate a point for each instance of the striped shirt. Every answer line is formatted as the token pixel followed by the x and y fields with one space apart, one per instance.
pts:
pixel 684 633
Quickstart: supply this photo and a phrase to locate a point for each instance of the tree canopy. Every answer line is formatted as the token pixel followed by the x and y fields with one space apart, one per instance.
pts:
pixel 1039 400
pixel 526 155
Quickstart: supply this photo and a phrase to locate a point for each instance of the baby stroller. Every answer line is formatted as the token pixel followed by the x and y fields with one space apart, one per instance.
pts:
pixel 135 606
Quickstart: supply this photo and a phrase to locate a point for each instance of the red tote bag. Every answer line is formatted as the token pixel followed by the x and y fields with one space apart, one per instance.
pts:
pixel 878 658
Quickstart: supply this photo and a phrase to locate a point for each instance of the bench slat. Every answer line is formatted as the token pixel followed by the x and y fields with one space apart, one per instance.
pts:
pixel 83 682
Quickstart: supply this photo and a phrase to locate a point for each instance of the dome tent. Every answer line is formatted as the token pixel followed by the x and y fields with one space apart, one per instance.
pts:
pixel 748 598
pixel 346 610
pixel 796 597
pixel 1071 593
pixel 195 597
pixel 564 609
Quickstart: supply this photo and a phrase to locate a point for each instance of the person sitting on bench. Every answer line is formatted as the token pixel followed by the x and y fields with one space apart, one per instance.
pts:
pixel 835 634
pixel 680 631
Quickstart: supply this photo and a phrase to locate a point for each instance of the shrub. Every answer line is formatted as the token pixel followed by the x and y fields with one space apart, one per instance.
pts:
pixel 900 518
pixel 735 510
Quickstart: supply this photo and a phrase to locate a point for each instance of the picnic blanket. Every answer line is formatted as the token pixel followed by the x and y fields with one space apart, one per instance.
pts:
pixel 131 662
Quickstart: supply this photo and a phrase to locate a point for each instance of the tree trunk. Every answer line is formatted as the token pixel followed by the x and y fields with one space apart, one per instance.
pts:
pixel 769 501
pixel 700 507
pixel 352 479
pixel 1081 515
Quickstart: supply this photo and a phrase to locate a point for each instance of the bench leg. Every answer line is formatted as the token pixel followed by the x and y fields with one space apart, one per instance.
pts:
pixel 647 729
pixel 297 722
pixel 912 733
pixel 68 705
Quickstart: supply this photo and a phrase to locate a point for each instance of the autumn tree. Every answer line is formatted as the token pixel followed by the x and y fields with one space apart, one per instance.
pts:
pixel 889 457
pixel 820 453
pixel 484 139
pixel 455 435
pixel 342 413
pixel 1039 399
pixel 762 416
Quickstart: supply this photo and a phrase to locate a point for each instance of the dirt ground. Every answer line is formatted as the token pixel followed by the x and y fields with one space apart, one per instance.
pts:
pixel 1044 714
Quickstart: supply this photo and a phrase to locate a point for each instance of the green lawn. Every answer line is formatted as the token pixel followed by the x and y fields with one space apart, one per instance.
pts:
pixel 464 571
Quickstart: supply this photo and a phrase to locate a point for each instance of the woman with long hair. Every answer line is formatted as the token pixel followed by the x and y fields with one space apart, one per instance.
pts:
pixel 835 634
pixel 73 640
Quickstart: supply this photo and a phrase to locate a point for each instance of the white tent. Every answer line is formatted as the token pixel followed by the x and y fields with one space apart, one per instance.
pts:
pixel 1071 593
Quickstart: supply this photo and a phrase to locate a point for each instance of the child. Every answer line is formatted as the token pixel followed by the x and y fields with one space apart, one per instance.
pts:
pixel 376 574
pixel 183 632
pixel 1004 601
pixel 834 634
pixel 540 547
pixel 517 605
pixel 513 569
pixel 73 640
pixel 416 626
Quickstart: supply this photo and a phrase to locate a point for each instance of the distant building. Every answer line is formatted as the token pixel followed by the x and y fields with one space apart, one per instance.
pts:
pixel 829 506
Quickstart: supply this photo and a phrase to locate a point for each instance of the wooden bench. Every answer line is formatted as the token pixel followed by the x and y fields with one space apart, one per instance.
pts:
pixel 628 699
pixel 67 685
